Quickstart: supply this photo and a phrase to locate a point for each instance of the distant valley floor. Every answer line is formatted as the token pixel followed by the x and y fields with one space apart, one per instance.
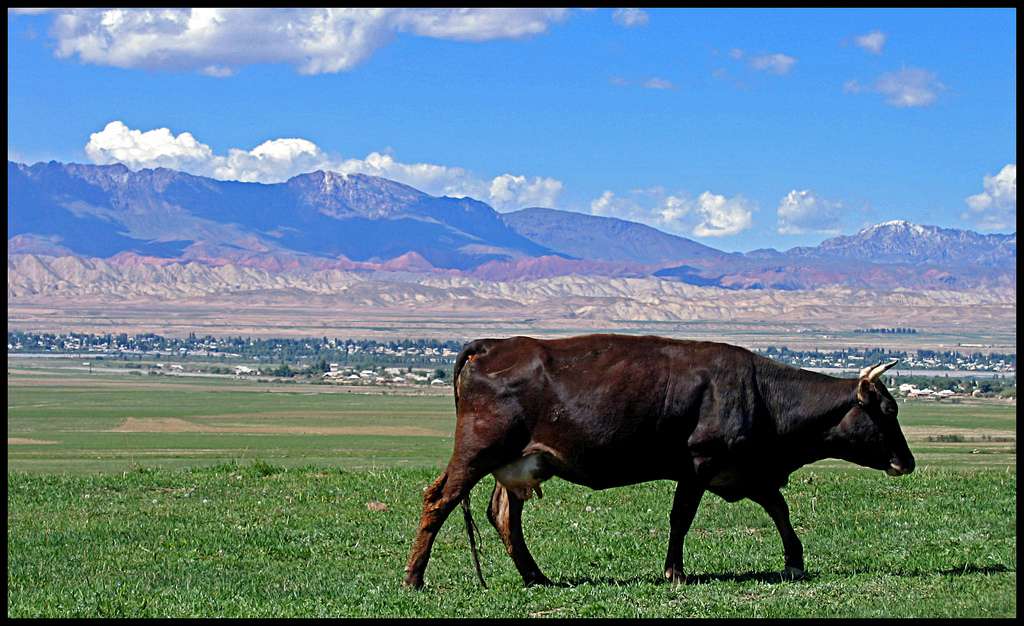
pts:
pixel 800 320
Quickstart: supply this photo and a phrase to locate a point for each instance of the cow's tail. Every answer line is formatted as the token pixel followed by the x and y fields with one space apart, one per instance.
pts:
pixel 471 531
pixel 470 350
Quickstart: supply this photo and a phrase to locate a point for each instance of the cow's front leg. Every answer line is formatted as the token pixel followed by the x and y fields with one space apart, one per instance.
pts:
pixel 775 505
pixel 684 508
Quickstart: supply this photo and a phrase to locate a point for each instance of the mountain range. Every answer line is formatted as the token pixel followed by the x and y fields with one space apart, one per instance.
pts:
pixel 102 210
pixel 324 221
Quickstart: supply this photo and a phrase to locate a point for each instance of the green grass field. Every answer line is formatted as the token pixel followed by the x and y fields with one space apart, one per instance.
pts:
pixel 156 496
pixel 254 541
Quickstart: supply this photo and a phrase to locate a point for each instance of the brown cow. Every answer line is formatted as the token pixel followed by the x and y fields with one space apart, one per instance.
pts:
pixel 611 410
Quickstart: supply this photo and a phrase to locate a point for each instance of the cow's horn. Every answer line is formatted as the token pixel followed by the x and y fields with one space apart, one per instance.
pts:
pixel 880 369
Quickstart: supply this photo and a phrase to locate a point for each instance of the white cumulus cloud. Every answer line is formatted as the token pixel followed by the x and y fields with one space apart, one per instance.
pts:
pixel 909 87
pixel 271 161
pixel 476 24
pixel 277 160
pixel 721 216
pixel 315 40
pixel 709 215
pixel 906 88
pixel 776 63
pixel 995 208
pixel 630 18
pixel 159 147
pixel 511 192
pixel 438 180
pixel 802 212
pixel 873 42
pixel 658 83
pixel 217 71
pixel 610 205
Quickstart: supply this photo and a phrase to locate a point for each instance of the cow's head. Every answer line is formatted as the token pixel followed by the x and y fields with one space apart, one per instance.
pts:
pixel 869 434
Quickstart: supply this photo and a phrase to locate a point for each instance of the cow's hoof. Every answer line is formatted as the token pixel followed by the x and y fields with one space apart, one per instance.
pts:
pixel 537 580
pixel 413 582
pixel 793 573
pixel 675 576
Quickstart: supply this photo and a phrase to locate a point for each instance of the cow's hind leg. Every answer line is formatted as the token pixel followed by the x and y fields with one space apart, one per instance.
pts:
pixel 505 511
pixel 684 508
pixel 773 502
pixel 439 500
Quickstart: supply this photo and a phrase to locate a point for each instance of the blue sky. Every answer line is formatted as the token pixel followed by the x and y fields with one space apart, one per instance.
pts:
pixel 739 128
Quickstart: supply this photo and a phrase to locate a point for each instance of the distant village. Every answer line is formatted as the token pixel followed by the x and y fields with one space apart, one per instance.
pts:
pixel 428 362
pixel 353 376
pixel 343 352
pixel 852 358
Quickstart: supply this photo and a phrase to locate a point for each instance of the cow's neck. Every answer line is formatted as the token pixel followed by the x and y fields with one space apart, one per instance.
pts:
pixel 804 406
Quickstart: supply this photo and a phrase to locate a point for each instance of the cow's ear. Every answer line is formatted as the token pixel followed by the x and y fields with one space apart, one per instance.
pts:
pixel 864 391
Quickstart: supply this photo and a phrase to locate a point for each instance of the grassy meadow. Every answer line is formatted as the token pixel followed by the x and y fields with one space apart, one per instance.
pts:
pixel 161 496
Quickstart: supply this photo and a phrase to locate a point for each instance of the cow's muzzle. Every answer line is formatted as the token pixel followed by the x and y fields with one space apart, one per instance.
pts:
pixel 900 468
